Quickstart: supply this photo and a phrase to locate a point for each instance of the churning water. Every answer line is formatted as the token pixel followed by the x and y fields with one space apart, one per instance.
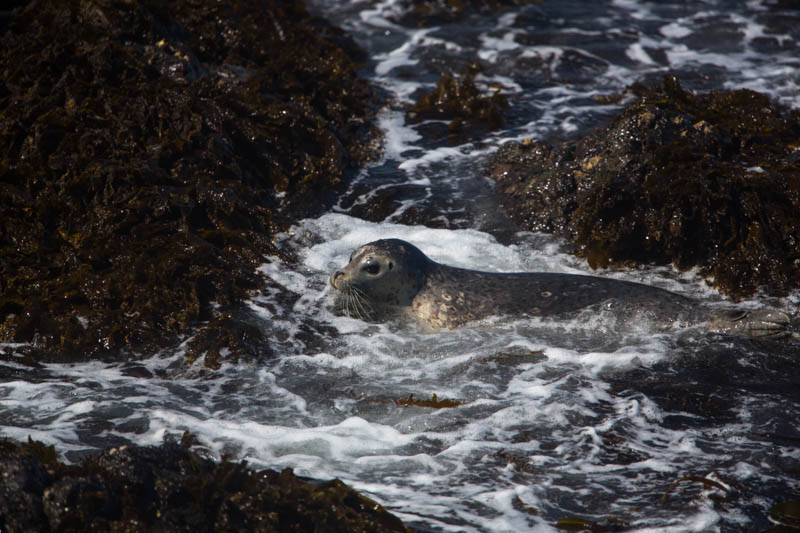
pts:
pixel 610 422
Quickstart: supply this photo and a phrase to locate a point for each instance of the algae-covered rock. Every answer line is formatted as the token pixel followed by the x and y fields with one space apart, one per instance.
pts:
pixel 148 152
pixel 707 180
pixel 171 488
pixel 469 111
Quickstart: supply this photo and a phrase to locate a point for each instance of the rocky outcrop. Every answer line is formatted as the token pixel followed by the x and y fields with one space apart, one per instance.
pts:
pixel 148 153
pixel 171 488
pixel 697 180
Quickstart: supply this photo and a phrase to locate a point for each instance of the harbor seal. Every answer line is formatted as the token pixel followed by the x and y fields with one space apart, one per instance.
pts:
pixel 392 277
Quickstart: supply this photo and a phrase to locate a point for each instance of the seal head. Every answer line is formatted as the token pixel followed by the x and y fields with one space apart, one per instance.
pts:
pixel 381 277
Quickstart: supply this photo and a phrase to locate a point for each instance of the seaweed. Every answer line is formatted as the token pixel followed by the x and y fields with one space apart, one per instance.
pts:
pixel 434 402
pixel 172 488
pixel 706 180
pixel 149 151
pixel 459 101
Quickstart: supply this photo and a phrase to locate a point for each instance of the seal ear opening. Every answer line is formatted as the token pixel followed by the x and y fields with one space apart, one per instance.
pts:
pixel 391 265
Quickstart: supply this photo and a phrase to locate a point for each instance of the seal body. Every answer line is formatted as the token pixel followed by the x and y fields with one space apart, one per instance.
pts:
pixel 451 297
pixel 393 277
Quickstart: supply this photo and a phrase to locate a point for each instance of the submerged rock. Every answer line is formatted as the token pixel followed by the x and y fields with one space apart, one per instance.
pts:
pixel 171 488
pixel 697 180
pixel 148 153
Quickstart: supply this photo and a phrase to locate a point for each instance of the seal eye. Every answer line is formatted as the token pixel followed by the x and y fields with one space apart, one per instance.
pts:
pixel 371 268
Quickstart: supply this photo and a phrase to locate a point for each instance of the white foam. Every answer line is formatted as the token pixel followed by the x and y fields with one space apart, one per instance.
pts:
pixel 492 47
pixel 675 30
pixel 637 52
pixel 429 157
pixel 396 58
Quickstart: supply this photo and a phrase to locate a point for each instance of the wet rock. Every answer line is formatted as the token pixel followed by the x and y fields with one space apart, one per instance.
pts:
pixel 582 524
pixel 228 337
pixel 23 482
pixel 434 402
pixel 697 180
pixel 786 514
pixel 148 153
pixel 170 488
pixel 469 112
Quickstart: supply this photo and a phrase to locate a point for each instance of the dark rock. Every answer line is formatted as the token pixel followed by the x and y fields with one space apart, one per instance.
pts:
pixel 23 482
pixel 149 151
pixel 242 339
pixel 170 488
pixel 698 180
pixel 786 514
pixel 457 100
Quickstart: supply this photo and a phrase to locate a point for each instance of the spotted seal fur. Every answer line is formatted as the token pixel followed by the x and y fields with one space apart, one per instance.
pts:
pixel 393 277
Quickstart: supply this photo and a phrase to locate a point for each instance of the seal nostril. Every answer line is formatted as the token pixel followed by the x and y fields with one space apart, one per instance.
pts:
pixel 336 275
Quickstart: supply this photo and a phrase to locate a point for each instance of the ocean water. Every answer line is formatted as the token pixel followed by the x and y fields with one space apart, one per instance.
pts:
pixel 611 422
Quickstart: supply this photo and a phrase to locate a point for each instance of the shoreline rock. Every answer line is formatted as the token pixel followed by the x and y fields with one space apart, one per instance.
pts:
pixel 696 180
pixel 148 154
pixel 171 488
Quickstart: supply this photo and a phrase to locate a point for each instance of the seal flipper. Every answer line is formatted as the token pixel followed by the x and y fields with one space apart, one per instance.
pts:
pixel 758 323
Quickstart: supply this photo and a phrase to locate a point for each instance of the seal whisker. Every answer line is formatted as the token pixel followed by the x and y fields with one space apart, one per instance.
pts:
pixel 351 302
pixel 343 301
pixel 355 302
pixel 350 308
pixel 361 304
